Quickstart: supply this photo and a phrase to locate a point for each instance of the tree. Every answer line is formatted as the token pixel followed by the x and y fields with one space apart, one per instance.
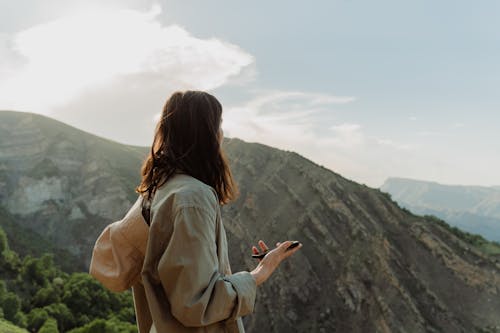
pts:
pixel 11 305
pixel 50 326
pixel 4 243
pixel 85 296
pixel 9 260
pixel 36 318
pixel 62 314
pixel 106 326
pixel 32 274
pixel 20 319
pixel 45 296
pixel 3 291
pixel 40 297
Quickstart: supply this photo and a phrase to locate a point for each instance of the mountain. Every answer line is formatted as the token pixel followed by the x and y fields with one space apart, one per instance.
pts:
pixel 63 183
pixel 366 265
pixel 475 209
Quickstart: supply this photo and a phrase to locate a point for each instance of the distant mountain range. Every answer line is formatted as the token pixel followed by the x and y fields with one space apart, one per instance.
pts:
pixel 472 208
pixel 366 265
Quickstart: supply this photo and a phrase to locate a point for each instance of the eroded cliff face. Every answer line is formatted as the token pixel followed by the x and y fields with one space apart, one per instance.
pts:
pixel 366 265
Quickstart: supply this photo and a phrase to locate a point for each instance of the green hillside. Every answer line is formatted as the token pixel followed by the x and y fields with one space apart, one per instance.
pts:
pixel 37 296
pixel 25 241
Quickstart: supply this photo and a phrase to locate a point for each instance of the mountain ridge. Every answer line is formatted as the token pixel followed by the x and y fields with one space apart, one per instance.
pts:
pixel 7 115
pixel 495 187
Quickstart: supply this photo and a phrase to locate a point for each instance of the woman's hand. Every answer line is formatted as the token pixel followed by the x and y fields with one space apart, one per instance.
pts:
pixel 272 259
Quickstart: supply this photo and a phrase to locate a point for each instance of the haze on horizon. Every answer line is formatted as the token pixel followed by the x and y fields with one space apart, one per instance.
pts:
pixel 370 90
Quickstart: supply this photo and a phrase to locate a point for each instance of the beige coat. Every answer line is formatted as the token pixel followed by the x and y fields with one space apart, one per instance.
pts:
pixel 119 251
pixel 185 282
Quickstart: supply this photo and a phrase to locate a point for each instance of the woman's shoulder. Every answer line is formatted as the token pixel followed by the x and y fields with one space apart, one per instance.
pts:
pixel 183 190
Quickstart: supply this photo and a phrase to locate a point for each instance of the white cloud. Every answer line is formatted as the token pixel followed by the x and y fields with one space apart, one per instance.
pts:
pixel 280 118
pixel 347 135
pixel 393 144
pixel 309 124
pixel 9 61
pixel 300 122
pixel 92 50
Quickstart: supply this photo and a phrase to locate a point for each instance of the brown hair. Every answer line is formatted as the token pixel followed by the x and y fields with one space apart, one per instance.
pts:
pixel 187 139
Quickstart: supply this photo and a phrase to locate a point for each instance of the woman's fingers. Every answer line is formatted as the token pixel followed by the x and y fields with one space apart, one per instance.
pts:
pixel 283 246
pixel 281 249
pixel 291 251
pixel 284 251
pixel 263 246
pixel 272 260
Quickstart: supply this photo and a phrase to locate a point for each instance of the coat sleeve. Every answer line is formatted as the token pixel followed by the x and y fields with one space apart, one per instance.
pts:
pixel 198 293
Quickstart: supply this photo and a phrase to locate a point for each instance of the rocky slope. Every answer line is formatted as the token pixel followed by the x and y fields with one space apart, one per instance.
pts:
pixel 472 208
pixel 366 265
pixel 63 183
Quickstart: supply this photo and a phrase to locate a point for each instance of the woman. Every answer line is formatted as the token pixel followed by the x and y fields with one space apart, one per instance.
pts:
pixel 187 284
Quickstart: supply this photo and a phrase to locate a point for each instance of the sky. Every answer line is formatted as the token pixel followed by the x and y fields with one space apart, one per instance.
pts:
pixel 368 89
